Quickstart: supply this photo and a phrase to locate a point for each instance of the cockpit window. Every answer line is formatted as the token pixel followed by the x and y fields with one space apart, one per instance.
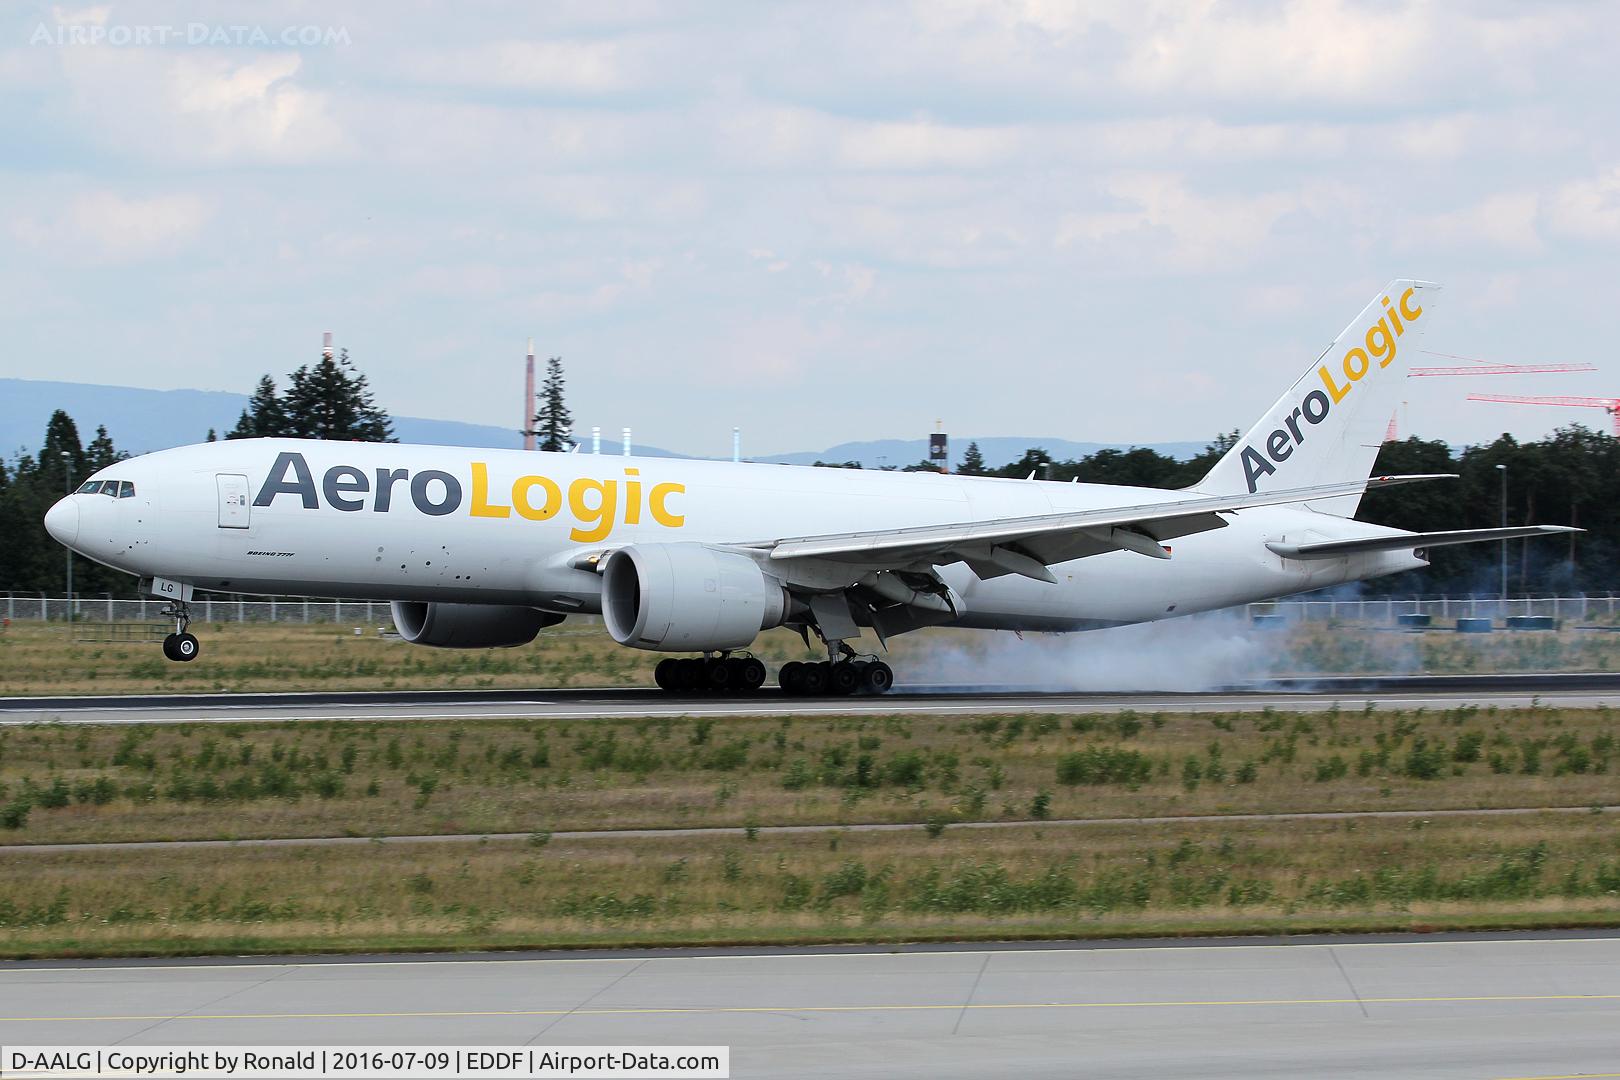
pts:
pixel 126 490
pixel 90 487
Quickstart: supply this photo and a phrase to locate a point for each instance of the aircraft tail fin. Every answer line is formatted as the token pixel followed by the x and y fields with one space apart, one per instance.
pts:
pixel 1329 425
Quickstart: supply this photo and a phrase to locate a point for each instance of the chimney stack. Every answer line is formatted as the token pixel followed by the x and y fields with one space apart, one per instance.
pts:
pixel 626 442
pixel 736 444
pixel 528 400
pixel 596 440
pixel 326 345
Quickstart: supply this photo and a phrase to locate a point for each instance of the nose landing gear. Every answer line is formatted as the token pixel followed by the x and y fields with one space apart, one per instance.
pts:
pixel 180 646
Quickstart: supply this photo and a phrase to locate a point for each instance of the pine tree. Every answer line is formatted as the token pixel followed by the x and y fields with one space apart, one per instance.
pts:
pixel 553 423
pixel 972 461
pixel 332 400
pixel 61 460
pixel 264 418
pixel 101 452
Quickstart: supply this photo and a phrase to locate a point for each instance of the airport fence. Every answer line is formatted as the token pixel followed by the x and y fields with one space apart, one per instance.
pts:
pixel 36 607
pixel 1444 609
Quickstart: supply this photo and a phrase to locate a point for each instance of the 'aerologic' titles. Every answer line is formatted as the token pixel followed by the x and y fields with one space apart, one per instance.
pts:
pixel 1378 344
pixel 594 506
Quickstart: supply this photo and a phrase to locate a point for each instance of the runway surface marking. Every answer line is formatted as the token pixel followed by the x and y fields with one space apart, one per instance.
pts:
pixel 740 830
pixel 721 1010
pixel 22 968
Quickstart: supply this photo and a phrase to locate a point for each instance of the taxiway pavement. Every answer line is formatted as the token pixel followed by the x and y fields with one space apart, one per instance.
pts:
pixel 1474 1006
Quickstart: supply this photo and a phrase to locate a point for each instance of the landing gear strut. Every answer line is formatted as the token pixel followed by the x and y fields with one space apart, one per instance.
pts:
pixel 180 645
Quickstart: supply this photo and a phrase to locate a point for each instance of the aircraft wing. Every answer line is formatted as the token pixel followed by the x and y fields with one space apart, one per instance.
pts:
pixel 1333 549
pixel 1028 545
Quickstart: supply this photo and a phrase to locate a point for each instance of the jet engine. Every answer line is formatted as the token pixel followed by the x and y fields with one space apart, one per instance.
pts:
pixel 469 626
pixel 687 597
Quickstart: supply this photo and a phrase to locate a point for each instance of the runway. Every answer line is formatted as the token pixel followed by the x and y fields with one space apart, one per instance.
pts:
pixel 1536 1005
pixel 1302 695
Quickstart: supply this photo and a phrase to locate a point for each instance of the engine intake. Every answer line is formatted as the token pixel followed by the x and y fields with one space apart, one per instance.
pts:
pixel 469 626
pixel 687 598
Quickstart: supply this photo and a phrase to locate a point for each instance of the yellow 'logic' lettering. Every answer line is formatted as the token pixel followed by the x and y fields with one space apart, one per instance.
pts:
pixel 598 518
pixel 594 504
pixel 1332 387
pixel 660 509
pixel 480 494
pixel 524 505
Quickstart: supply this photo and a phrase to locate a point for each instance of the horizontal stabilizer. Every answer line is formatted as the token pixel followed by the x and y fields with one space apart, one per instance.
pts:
pixel 1333 549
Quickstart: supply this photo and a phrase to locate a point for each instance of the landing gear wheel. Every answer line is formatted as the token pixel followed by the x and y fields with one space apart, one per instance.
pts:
pixel 168 647
pixel 791 677
pixel 843 679
pixel 750 674
pixel 664 674
pixel 185 648
pixel 718 675
pixel 813 679
pixel 878 678
pixel 689 674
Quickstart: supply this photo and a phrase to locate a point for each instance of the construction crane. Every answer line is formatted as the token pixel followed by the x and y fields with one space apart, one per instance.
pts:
pixel 1480 367
pixel 1611 405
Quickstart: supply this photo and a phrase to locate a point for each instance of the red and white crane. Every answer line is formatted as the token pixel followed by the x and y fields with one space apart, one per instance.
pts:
pixel 1612 405
pixel 1480 367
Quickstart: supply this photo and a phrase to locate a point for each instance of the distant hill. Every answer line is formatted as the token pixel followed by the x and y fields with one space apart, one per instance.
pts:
pixel 141 421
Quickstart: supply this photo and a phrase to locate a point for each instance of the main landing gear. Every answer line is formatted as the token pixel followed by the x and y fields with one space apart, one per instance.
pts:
pixel 717 674
pixel 745 674
pixel 844 677
pixel 180 645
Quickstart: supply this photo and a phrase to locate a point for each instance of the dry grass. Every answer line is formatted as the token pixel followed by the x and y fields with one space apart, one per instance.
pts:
pixel 1028 882
pixel 76 783
pixel 240 657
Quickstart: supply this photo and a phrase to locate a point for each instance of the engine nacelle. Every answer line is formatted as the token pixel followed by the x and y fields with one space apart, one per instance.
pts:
pixel 469 626
pixel 687 598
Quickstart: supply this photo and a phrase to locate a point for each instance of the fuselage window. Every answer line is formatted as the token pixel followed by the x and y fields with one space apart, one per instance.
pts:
pixel 90 487
pixel 126 490
pixel 109 488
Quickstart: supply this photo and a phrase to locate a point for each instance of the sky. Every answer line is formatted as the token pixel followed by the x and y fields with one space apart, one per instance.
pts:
pixel 1115 222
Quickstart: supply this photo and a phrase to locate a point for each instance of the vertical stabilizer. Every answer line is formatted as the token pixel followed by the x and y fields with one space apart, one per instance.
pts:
pixel 1329 425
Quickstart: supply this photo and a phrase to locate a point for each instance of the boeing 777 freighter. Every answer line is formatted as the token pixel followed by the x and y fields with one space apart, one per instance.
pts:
pixel 484 548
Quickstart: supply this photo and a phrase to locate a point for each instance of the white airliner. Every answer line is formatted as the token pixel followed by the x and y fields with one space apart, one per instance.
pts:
pixel 484 548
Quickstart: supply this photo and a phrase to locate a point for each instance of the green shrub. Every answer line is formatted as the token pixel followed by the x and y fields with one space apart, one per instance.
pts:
pixel 1104 765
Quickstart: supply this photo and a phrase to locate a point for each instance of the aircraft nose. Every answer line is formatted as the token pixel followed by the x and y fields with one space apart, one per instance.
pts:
pixel 62 521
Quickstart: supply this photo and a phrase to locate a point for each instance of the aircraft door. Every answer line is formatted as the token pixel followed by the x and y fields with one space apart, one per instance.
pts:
pixel 235 502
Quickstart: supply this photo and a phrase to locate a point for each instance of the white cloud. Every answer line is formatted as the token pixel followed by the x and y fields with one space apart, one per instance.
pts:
pixel 100 227
pixel 200 105
pixel 1587 209
pixel 588 68
pixel 1165 224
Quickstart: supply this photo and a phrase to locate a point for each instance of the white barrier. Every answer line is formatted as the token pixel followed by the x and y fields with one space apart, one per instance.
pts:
pixel 1445 609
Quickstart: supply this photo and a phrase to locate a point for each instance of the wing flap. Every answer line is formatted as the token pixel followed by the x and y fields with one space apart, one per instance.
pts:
pixel 1333 549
